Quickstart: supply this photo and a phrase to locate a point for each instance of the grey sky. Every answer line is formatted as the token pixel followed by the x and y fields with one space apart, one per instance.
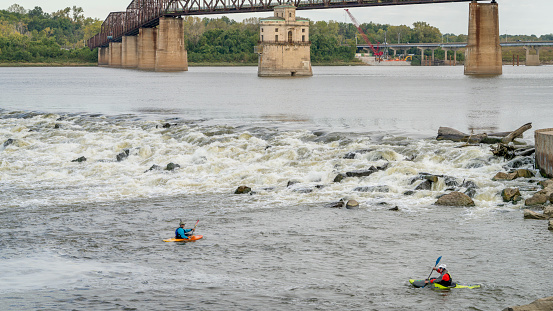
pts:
pixel 515 16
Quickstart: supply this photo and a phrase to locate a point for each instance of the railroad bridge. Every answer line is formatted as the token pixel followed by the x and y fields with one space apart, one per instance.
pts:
pixel 149 33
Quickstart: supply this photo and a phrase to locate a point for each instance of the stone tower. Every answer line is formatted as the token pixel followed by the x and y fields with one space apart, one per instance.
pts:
pixel 284 48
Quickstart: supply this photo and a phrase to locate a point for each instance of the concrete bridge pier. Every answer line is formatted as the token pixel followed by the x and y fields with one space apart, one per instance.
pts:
pixel 103 56
pixel 129 52
pixel 422 54
pixel 483 52
pixel 532 59
pixel 544 151
pixel 171 54
pixel 454 54
pixel 115 54
pixel 146 48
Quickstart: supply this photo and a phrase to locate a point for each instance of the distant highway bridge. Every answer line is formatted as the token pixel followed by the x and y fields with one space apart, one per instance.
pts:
pixel 531 60
pixel 454 45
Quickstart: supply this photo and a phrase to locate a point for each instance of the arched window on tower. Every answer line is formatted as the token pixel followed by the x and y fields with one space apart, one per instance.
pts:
pixel 290 36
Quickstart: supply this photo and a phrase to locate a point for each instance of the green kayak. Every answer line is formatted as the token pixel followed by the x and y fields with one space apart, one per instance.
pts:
pixel 420 283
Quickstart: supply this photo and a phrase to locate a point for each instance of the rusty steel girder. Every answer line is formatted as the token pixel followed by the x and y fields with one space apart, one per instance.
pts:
pixel 146 13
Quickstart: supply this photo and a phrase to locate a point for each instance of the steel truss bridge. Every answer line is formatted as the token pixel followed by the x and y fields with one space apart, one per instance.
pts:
pixel 146 13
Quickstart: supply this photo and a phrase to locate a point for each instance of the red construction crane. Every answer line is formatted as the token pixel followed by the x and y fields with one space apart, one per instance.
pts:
pixel 376 51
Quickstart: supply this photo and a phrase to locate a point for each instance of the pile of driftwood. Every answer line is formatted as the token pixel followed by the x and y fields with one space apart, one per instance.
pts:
pixel 503 148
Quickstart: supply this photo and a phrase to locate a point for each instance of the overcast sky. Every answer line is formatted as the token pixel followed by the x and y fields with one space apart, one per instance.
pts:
pixel 515 16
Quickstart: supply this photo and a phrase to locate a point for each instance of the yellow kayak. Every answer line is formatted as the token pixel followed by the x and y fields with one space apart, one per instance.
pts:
pixel 190 239
pixel 420 283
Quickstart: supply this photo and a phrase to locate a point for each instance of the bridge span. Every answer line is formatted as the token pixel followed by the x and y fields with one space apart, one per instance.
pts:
pixel 146 13
pixel 149 35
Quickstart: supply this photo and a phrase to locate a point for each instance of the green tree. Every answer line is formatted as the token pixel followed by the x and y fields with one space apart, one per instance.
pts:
pixel 16 8
pixel 424 33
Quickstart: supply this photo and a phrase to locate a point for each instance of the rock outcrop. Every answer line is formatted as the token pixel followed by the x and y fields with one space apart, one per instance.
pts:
pixel 541 197
pixel 543 304
pixel 455 198
pixel 511 194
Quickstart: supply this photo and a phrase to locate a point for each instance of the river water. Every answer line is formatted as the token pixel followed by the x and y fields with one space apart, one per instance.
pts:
pixel 88 235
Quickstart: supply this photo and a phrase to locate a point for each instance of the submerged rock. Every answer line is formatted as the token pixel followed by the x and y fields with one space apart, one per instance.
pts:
pixel 338 204
pixel 80 159
pixel 352 204
pixel 548 212
pixel 528 214
pixel 291 183
pixel 372 189
pixel 154 167
pixel 242 190
pixel 360 173
pixel 425 185
pixel 172 166
pixel 536 199
pixel 455 198
pixel 511 194
pixel 500 176
pixel 123 155
pixel 8 142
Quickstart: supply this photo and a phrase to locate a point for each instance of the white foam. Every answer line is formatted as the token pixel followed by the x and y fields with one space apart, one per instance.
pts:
pixel 223 160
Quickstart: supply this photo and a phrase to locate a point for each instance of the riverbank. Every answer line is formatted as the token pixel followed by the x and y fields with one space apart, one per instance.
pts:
pixel 48 64
pixel 216 64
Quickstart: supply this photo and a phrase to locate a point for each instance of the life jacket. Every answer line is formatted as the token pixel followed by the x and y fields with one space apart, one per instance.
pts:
pixel 445 281
pixel 177 235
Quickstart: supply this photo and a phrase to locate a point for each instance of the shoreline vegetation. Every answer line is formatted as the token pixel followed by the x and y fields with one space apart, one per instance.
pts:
pixel 230 64
pixel 34 38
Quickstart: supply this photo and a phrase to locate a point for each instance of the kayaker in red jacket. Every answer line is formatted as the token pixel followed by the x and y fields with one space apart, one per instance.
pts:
pixel 444 279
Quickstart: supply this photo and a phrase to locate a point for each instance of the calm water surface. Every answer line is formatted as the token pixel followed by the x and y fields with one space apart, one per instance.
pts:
pixel 88 235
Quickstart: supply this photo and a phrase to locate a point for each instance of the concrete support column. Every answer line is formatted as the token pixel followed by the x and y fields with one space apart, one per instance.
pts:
pixel 171 54
pixel 454 57
pixel 129 52
pixel 422 54
pixel 544 151
pixel 446 50
pixel 433 49
pixel 532 59
pixel 454 50
pixel 483 52
pixel 395 51
pixel 147 38
pixel 115 54
pixel 103 56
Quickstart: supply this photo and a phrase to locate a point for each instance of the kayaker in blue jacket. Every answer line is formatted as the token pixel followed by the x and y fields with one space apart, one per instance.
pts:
pixel 182 233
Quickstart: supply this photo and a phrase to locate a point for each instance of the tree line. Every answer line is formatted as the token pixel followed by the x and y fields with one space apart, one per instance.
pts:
pixel 34 36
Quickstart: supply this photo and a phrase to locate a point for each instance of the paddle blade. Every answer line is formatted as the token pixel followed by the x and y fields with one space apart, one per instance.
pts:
pixel 438 260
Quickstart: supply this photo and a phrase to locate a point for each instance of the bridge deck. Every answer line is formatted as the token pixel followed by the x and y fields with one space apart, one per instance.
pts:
pixel 456 45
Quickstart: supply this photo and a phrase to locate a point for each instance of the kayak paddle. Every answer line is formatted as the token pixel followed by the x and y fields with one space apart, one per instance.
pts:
pixel 194 230
pixel 437 261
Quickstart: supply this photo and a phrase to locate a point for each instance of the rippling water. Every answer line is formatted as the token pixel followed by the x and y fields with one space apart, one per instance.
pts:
pixel 87 235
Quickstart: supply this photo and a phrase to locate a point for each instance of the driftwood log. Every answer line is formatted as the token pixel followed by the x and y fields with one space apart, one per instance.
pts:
pixel 447 133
